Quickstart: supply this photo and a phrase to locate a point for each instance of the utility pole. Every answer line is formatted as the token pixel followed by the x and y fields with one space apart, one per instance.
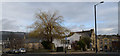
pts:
pixel 96 25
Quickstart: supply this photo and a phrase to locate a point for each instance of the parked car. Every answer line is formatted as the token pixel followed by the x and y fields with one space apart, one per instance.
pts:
pixel 14 51
pixel 22 50
pixel 9 51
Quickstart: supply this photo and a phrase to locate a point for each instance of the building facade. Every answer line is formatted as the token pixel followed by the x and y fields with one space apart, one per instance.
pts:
pixel 12 39
pixel 76 36
pixel 104 42
pixel 16 40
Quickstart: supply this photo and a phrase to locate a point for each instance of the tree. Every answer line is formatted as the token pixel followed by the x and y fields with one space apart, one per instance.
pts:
pixel 81 44
pixel 75 46
pixel 48 26
pixel 15 41
pixel 87 41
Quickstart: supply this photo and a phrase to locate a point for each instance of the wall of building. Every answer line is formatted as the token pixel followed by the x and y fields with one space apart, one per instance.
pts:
pixel 76 37
pixel 105 43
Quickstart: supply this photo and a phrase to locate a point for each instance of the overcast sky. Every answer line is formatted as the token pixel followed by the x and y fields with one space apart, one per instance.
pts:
pixel 77 15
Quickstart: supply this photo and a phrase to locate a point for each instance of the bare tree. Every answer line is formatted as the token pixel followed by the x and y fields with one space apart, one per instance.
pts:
pixel 16 41
pixel 48 26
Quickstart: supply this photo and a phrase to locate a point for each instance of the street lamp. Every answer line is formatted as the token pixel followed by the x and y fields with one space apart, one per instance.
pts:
pixel 65 44
pixel 96 24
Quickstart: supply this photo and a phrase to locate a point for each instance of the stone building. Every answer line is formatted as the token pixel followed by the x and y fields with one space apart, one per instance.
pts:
pixel 12 39
pixel 16 40
pixel 32 43
pixel 104 42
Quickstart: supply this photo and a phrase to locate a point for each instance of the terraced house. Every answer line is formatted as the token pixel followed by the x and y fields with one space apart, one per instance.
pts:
pixel 16 40
pixel 104 42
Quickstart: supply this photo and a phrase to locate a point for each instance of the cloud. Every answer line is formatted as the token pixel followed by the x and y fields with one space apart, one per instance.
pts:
pixel 9 25
pixel 108 28
pixel 107 31
pixel 75 14
pixel 0 16
pixel 59 0
pixel 1 25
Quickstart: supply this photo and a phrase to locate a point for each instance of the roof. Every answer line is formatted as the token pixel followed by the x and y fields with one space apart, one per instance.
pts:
pixel 32 40
pixel 108 36
pixel 10 35
pixel 86 33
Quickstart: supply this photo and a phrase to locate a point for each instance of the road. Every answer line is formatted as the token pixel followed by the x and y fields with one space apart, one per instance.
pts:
pixel 63 54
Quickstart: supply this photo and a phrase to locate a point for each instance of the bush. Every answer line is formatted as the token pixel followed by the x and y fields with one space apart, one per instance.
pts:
pixel 78 45
pixel 75 46
pixel 81 44
pixel 87 41
pixel 46 44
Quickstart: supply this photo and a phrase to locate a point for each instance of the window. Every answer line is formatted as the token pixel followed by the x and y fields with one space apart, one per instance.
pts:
pixel 65 41
pixel 100 39
pixel 101 46
pixel 105 39
pixel 100 42
pixel 110 39
pixel 62 41
pixel 106 43
pixel 110 43
pixel 68 41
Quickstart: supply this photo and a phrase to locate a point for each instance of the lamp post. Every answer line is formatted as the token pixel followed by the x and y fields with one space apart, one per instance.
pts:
pixel 65 44
pixel 96 24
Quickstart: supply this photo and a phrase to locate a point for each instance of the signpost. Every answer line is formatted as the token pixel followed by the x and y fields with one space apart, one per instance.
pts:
pixel 69 47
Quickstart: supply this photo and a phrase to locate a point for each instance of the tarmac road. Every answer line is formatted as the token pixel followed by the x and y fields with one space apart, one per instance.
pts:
pixel 63 54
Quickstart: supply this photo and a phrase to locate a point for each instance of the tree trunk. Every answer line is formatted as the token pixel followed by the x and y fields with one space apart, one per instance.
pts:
pixel 50 33
pixel 51 39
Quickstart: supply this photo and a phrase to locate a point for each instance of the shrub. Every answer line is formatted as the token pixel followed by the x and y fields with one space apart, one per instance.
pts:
pixel 75 46
pixel 78 45
pixel 46 44
pixel 81 44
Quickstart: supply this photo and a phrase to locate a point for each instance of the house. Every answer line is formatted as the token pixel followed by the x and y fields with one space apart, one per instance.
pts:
pixel 116 46
pixel 76 36
pixel 12 39
pixel 32 43
pixel 17 40
pixel 106 42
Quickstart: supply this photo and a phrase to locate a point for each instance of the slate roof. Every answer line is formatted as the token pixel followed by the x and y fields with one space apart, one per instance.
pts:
pixel 108 36
pixel 7 34
pixel 86 33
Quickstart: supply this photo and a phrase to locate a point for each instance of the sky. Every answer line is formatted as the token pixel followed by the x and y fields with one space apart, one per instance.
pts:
pixel 59 0
pixel 16 16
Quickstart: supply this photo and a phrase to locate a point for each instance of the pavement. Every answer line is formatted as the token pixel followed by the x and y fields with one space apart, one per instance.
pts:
pixel 75 53
pixel 63 53
pixel 0 52
pixel 0 48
